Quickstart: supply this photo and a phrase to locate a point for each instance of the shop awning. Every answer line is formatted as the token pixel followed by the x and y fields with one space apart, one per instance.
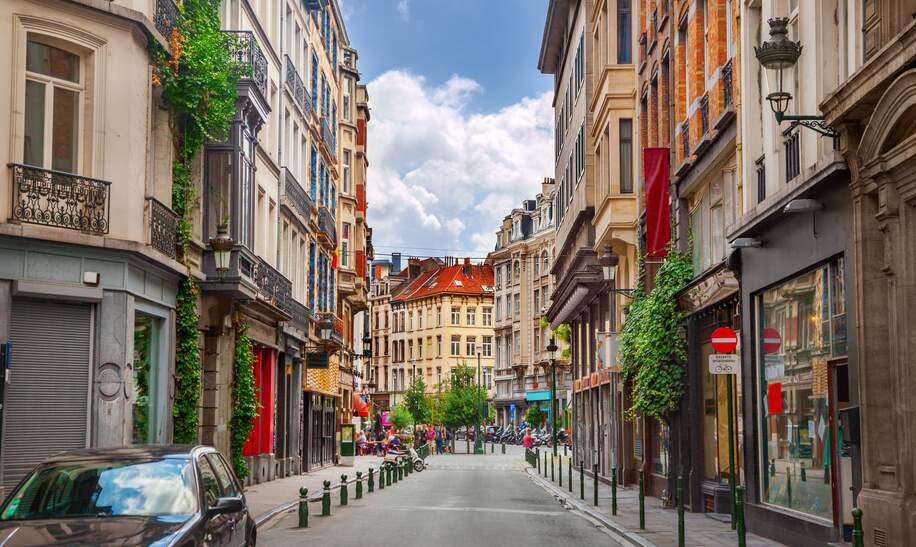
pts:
pixel 543 395
pixel 360 408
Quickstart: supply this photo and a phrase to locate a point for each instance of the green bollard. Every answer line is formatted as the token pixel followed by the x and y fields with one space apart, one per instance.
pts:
pixel 344 496
pixel 789 486
pixel 564 449
pixel 393 476
pixel 359 485
pixel 739 513
pixel 492 447
pixel 381 478
pixel 326 500
pixel 537 456
pixel 569 470
pixel 804 476
pixel 553 476
pixel 560 471
pixel 581 480
pixel 595 481
pixel 680 511
pixel 303 508
pixel 642 500
pixel 399 473
pixel 504 448
pixel 545 465
pixel 613 490
pixel 371 480
pixel 858 535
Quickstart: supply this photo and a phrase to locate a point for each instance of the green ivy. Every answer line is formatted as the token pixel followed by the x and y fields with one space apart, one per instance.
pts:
pixel 244 399
pixel 653 349
pixel 198 75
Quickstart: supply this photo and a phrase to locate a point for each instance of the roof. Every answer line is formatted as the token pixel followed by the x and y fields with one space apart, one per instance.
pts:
pixel 133 452
pixel 449 280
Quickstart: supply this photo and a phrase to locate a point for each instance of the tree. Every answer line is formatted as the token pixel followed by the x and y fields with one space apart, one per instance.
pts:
pixel 459 403
pixel 534 416
pixel 400 417
pixel 416 402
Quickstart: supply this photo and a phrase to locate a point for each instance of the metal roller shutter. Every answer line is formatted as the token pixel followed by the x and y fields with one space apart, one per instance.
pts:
pixel 48 394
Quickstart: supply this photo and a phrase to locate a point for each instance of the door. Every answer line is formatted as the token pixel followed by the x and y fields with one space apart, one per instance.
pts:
pixel 49 363
pixel 218 529
pixel 229 488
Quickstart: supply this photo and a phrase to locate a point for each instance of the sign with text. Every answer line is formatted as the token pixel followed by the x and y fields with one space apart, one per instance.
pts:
pixel 723 363
pixel 317 360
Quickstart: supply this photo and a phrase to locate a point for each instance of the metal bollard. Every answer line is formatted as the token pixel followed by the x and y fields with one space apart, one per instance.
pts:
pixel 326 500
pixel 804 476
pixel 595 481
pixel 569 462
pixel 564 449
pixel 537 456
pixel 504 448
pixel 680 511
pixel 642 500
pixel 789 486
pixel 739 513
pixel 303 508
pixel 613 490
pixel 560 471
pixel 492 447
pixel 381 478
pixel 581 480
pixel 858 536
pixel 359 485
pixel 545 465
pixel 344 496
pixel 371 480
pixel 553 476
pixel 394 475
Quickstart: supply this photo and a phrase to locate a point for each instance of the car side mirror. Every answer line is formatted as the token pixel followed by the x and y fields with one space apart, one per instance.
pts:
pixel 226 505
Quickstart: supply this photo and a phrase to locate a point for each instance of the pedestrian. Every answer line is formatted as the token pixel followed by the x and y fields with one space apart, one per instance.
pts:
pixel 430 436
pixel 527 441
pixel 438 440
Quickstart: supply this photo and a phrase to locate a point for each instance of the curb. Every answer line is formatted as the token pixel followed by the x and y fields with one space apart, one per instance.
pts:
pixel 619 531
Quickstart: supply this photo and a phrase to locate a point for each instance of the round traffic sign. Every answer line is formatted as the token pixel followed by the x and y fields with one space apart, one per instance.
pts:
pixel 772 341
pixel 724 340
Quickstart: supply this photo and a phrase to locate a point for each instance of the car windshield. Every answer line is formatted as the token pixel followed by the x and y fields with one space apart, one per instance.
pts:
pixel 147 487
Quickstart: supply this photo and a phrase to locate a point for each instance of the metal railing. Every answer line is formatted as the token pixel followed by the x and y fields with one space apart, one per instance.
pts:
pixel 163 228
pixel 166 17
pixel 297 197
pixel 63 200
pixel 727 83
pixel 272 285
pixel 327 135
pixel 327 225
pixel 297 87
pixel 248 54
pixel 336 325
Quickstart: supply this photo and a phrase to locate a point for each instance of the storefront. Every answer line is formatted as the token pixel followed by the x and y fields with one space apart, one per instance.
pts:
pixel 259 450
pixel 319 415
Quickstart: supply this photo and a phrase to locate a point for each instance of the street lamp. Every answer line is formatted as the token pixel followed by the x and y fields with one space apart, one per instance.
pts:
pixel 478 443
pixel 222 249
pixel 552 348
pixel 608 261
pixel 778 54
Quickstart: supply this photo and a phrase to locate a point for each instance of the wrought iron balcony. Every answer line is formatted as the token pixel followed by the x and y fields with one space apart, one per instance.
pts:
pixel 63 200
pixel 327 227
pixel 248 55
pixel 727 83
pixel 297 87
pixel 166 17
pixel 328 136
pixel 295 197
pixel 330 329
pixel 272 285
pixel 300 314
pixel 163 228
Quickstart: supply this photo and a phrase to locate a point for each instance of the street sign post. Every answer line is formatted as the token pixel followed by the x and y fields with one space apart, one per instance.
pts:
pixel 724 340
pixel 772 341
pixel 724 363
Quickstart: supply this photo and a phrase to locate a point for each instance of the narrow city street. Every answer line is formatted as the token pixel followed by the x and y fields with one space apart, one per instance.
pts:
pixel 459 500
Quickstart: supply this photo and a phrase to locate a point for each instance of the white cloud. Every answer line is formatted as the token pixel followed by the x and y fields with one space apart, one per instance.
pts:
pixel 442 177
pixel 404 9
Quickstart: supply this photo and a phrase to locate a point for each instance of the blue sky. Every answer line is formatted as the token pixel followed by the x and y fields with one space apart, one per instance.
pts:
pixel 462 123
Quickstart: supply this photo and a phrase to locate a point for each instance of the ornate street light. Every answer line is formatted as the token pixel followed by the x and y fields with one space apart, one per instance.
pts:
pixel 367 346
pixel 777 55
pixel 222 246
pixel 552 348
pixel 608 260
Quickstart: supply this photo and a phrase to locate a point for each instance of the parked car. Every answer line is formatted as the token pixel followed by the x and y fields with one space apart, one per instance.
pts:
pixel 151 495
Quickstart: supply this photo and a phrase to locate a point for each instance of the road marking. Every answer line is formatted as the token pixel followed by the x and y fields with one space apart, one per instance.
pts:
pixel 468 510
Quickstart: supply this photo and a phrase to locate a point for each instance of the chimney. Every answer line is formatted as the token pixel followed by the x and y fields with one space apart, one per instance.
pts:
pixel 466 269
pixel 413 267
pixel 396 262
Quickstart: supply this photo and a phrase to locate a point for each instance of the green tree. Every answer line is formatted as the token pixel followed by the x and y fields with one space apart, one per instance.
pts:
pixel 400 417
pixel 417 402
pixel 563 333
pixel 534 416
pixel 459 402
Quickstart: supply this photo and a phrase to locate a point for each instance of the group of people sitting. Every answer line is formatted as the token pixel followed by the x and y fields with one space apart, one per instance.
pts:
pixel 389 439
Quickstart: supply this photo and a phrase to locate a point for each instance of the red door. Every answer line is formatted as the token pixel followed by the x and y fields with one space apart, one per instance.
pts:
pixel 265 380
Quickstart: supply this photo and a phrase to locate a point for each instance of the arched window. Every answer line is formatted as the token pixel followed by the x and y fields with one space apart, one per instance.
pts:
pixel 517 269
pixel 546 262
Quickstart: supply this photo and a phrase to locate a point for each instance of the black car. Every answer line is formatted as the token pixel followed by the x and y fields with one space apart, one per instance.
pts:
pixel 180 496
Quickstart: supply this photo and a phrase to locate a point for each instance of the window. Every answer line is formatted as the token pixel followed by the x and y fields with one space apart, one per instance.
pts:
pixel 438 316
pixel 53 90
pixel 488 378
pixel 508 276
pixel 508 307
pixel 517 304
pixel 472 316
pixel 347 93
pixel 227 485
pixel 438 346
pixel 487 346
pixel 419 319
pixel 487 316
pixel 518 342
pixel 419 348
pixel 456 316
pixel 626 156
pixel 537 339
pixel 456 344
pixel 499 307
pixel 537 298
pixel 346 172
pixel 624 41
pixel 208 479
pixel 517 271
pixel 410 320
pixel 345 245
pixel 471 345
pixel 546 262
pixel 410 349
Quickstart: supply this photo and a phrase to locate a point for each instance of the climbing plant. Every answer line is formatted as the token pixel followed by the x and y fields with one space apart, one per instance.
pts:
pixel 198 74
pixel 244 399
pixel 653 349
pixel 563 333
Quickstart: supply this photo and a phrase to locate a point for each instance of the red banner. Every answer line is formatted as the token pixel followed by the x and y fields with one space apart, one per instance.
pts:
pixel 658 214
pixel 774 398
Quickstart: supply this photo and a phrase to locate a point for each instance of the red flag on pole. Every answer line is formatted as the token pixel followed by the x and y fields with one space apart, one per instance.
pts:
pixel 658 214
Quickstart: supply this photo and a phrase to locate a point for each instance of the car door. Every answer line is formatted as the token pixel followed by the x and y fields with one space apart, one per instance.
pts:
pixel 230 489
pixel 217 528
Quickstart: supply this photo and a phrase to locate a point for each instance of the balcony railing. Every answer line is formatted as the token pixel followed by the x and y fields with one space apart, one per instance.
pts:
pixel 249 56
pixel 272 285
pixel 327 226
pixel 63 200
pixel 300 314
pixel 335 327
pixel 327 135
pixel 166 17
pixel 296 196
pixel 685 141
pixel 163 228
pixel 297 87
pixel 704 114
pixel 727 84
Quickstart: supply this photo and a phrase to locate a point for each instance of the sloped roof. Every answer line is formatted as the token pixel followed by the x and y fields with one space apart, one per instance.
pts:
pixel 448 280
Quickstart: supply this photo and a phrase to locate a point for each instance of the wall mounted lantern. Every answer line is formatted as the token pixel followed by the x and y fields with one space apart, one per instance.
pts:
pixel 222 249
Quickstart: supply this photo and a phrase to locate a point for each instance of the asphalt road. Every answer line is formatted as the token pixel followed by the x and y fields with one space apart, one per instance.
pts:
pixel 458 501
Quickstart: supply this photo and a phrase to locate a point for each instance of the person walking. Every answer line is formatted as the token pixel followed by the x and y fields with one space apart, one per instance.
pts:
pixel 430 436
pixel 527 441
pixel 438 440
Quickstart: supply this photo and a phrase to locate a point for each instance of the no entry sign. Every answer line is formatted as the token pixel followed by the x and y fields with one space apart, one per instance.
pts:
pixel 772 341
pixel 724 340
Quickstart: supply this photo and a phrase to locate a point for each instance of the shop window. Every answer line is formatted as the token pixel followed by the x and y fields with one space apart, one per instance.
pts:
pixel 148 391
pixel 802 325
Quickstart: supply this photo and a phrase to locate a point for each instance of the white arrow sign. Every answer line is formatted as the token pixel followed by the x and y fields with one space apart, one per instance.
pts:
pixel 724 363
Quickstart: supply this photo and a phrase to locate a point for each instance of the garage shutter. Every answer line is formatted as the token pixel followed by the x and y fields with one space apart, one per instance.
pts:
pixel 47 397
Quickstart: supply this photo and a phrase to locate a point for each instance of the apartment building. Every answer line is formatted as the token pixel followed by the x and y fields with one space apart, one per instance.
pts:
pixel 521 266
pixel 588 47
pixel 386 277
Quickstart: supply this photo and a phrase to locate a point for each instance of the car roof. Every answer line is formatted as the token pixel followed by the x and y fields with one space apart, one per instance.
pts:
pixel 185 451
